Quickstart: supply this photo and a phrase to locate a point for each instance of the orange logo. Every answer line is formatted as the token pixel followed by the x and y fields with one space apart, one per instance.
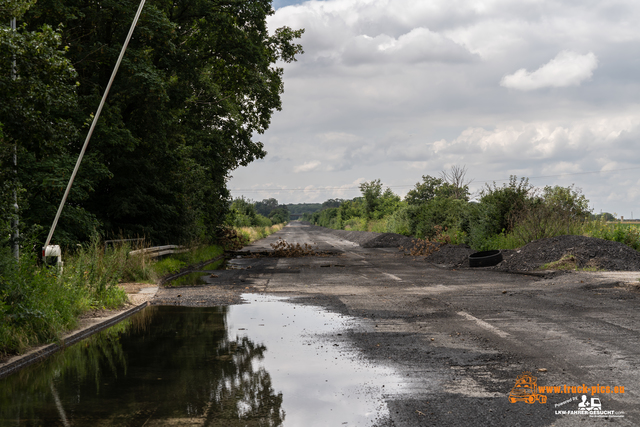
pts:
pixel 526 390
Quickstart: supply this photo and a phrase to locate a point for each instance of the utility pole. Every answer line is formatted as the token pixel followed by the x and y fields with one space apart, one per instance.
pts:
pixel 16 223
pixel 93 125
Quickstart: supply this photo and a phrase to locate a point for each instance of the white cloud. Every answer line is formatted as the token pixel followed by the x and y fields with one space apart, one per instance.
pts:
pixel 418 45
pixel 395 89
pixel 566 69
pixel 307 166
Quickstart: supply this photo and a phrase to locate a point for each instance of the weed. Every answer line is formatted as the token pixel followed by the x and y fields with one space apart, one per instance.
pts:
pixel 571 262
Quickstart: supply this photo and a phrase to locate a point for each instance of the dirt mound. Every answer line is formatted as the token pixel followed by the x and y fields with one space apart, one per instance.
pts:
pixel 388 240
pixel 583 251
pixel 451 256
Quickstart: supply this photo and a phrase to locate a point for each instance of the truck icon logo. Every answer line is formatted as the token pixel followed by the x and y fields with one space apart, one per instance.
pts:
pixel 526 390
pixel 595 404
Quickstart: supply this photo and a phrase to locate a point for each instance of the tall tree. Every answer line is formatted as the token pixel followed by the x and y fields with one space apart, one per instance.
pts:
pixel 37 117
pixel 198 81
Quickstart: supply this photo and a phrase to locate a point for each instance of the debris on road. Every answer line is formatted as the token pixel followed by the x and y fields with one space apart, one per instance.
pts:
pixel 284 249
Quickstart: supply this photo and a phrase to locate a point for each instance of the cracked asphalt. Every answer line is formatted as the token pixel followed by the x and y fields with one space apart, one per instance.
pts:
pixel 459 337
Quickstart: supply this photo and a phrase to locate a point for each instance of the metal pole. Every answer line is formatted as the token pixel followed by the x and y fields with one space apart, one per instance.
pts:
pixel 16 218
pixel 93 125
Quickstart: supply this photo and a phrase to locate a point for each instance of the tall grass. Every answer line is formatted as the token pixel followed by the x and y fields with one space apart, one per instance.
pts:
pixel 38 303
pixel 98 271
pixel 251 234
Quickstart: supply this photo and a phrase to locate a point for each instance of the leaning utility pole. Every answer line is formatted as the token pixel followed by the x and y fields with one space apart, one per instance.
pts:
pixel 15 222
pixel 93 125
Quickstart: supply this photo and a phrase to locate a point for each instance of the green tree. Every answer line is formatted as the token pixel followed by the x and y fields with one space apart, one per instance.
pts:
pixel 37 117
pixel 502 203
pixel 378 203
pixel 198 82
pixel 242 213
pixel 279 215
pixel 424 191
pixel 332 203
pixel 266 206
pixel 568 201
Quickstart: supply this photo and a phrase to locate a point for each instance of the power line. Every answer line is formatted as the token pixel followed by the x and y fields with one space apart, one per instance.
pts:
pixel 321 189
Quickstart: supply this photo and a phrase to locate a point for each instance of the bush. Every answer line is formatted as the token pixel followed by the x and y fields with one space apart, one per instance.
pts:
pixel 328 218
pixel 356 224
pixel 501 204
pixel 399 222
pixel 623 233
pixel 446 212
pixel 37 304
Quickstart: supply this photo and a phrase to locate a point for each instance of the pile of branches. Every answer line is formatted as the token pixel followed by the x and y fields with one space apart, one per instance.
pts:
pixel 284 249
pixel 427 247
pixel 230 239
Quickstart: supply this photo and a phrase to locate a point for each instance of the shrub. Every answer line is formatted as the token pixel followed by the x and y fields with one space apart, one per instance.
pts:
pixel 399 222
pixel 500 204
pixel 446 212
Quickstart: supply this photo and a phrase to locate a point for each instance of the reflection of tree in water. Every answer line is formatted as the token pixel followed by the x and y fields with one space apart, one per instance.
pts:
pixel 171 363
pixel 27 394
pixel 246 394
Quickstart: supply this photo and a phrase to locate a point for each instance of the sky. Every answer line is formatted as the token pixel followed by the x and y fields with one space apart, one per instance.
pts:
pixel 397 89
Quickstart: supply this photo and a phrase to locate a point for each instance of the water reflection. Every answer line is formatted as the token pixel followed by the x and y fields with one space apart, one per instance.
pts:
pixel 244 365
pixel 165 364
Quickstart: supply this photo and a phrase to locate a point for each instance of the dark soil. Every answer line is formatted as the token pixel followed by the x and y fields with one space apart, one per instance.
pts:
pixel 587 251
pixel 388 240
pixel 451 256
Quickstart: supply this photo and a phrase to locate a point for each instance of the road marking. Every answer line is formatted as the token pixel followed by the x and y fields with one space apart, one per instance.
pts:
pixel 358 255
pixel 392 276
pixel 484 324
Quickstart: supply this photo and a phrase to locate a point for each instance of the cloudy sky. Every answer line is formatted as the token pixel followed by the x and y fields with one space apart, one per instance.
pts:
pixel 397 89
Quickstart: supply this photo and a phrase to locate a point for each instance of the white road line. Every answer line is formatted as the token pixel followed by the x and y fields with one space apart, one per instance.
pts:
pixel 392 276
pixel 484 324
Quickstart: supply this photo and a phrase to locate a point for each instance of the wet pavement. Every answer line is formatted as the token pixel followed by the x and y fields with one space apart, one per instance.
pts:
pixel 268 362
pixel 452 342
pixel 461 337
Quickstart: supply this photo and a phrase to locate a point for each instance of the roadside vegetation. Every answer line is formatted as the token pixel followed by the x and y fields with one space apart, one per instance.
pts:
pixel 160 157
pixel 38 303
pixel 441 210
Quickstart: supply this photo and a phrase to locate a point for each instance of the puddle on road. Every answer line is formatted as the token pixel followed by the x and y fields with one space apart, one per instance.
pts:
pixel 269 362
pixel 197 278
pixel 192 279
pixel 220 264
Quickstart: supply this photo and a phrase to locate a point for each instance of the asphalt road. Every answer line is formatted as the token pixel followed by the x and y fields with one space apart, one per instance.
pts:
pixel 461 337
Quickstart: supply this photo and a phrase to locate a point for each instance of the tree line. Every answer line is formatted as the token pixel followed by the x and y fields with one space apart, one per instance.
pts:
pixel 501 217
pixel 198 82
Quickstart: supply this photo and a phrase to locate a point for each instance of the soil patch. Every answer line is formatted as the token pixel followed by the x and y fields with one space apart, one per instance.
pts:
pixel 586 252
pixel 388 240
pixel 451 256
